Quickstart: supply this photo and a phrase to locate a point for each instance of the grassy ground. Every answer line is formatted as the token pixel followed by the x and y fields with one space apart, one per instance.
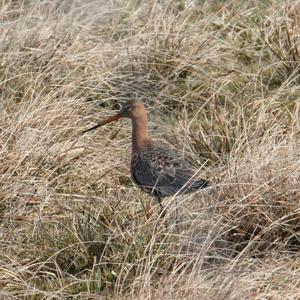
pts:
pixel 220 80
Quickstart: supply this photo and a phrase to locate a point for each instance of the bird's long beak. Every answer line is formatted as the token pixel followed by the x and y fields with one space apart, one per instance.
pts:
pixel 108 120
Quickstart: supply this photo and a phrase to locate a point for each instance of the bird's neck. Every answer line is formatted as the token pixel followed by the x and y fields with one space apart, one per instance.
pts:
pixel 140 137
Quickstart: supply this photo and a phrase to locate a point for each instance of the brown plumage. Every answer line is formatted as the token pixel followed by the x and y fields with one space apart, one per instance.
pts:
pixel 156 167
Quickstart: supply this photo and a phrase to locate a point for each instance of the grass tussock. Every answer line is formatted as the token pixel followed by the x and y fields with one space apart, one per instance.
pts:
pixel 220 80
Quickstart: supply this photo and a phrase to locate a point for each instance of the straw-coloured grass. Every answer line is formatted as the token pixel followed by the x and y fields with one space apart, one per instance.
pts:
pixel 220 80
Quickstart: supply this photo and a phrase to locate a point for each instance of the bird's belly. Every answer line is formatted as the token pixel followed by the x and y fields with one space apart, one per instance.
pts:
pixel 146 189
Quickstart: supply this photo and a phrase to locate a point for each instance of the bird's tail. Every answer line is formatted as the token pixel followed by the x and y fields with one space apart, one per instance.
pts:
pixel 200 184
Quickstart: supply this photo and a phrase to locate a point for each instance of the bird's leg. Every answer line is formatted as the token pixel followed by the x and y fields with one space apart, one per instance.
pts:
pixel 162 210
pixel 162 213
pixel 176 212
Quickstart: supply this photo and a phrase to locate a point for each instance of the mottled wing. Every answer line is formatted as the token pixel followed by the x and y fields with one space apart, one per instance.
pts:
pixel 176 177
pixel 163 172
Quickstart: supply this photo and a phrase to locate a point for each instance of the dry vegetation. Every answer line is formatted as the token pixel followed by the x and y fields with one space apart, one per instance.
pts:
pixel 220 80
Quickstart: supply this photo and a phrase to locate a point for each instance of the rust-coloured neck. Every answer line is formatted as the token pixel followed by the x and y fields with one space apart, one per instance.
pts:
pixel 140 137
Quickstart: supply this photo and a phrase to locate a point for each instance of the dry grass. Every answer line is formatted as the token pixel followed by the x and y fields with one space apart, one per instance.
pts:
pixel 221 82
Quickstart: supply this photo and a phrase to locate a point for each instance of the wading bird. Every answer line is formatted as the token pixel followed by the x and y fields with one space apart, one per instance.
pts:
pixel 156 167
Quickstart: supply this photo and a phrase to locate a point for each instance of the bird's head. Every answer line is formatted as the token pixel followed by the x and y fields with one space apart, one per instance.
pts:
pixel 131 109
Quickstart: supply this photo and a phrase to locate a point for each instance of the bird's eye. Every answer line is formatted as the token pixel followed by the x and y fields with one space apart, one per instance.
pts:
pixel 128 108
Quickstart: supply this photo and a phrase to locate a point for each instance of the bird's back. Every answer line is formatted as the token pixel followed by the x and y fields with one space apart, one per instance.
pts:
pixel 160 170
